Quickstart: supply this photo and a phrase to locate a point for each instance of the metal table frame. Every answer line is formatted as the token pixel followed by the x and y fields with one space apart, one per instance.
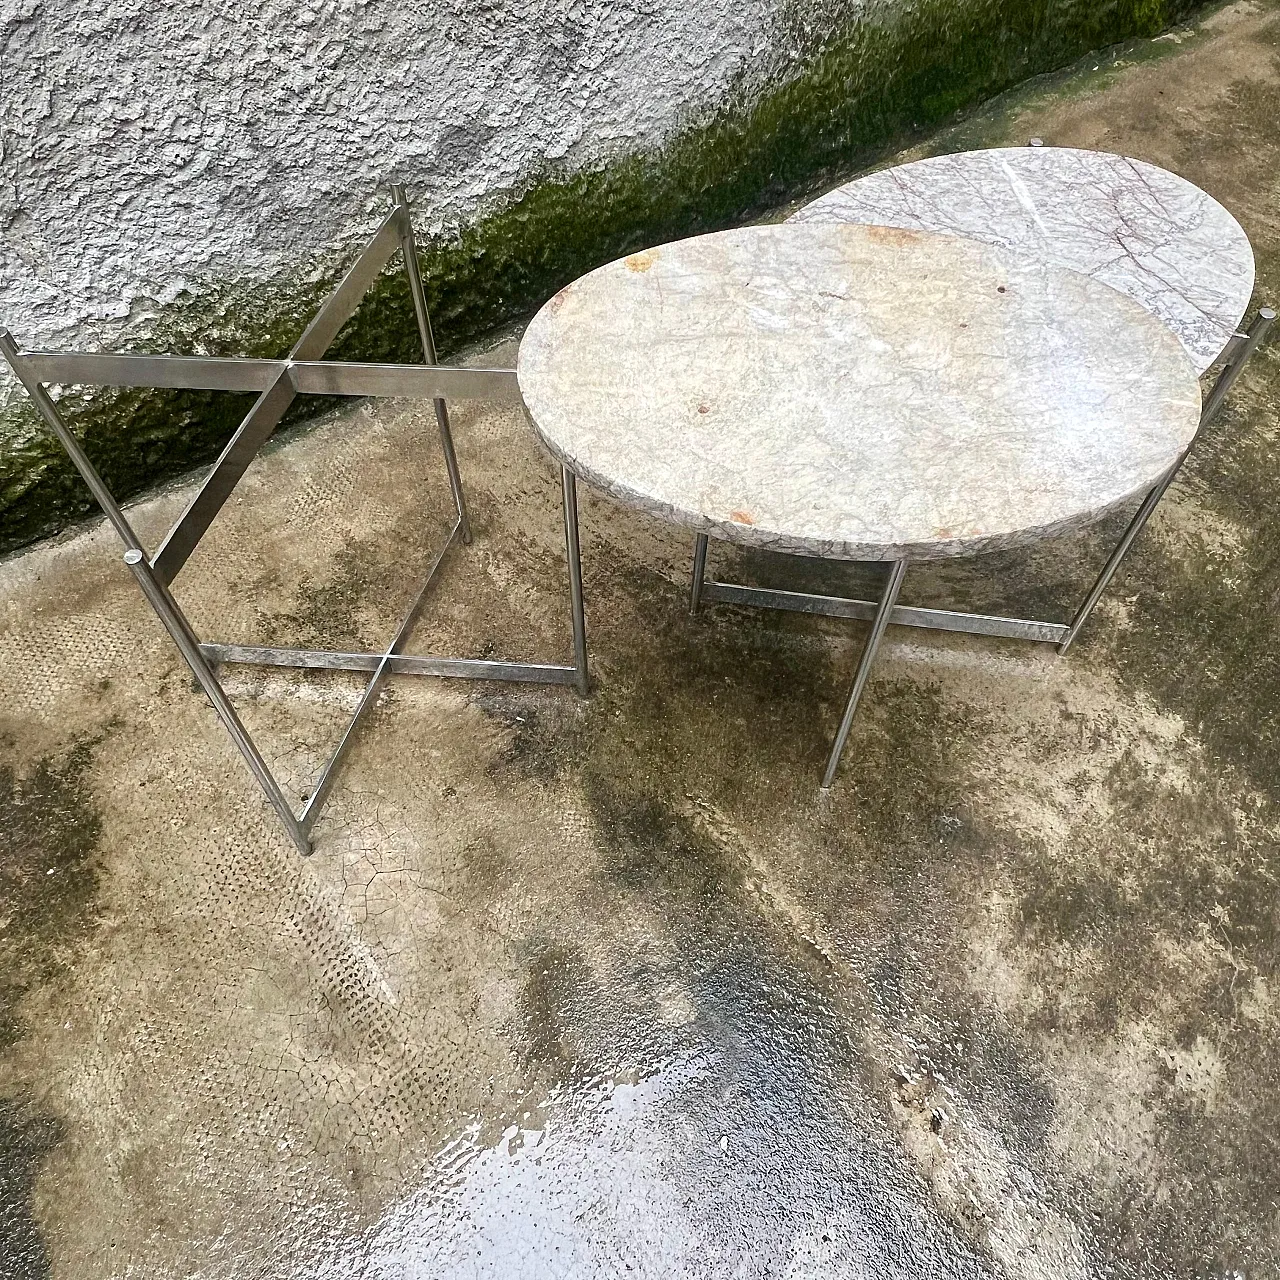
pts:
pixel 301 372
pixel 881 613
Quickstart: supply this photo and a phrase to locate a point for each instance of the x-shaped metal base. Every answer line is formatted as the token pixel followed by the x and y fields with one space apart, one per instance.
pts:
pixel 885 611
pixel 278 383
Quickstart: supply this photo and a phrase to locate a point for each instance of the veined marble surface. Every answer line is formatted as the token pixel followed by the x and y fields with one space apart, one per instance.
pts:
pixel 1141 229
pixel 857 392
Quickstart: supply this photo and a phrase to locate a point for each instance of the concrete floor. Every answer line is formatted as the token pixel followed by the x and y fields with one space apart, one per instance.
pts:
pixel 606 987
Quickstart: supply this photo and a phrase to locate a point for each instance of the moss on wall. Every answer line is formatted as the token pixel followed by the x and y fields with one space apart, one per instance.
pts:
pixel 872 79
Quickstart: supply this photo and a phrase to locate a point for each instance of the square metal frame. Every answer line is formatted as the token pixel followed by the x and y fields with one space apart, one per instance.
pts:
pixel 279 382
pixel 885 611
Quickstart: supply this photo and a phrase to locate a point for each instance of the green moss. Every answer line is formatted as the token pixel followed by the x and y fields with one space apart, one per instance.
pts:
pixel 872 80
pixel 1007 119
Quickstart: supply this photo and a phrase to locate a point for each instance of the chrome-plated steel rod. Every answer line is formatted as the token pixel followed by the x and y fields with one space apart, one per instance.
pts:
pixel 451 466
pixel 980 624
pixel 399 664
pixel 223 477
pixel 261 655
pixel 409 249
pixel 69 441
pixel 699 572
pixel 878 627
pixel 1234 367
pixel 324 783
pixel 483 669
pixel 341 304
pixel 311 377
pixel 415 381
pixel 1256 332
pixel 569 483
pixel 278 382
pixel 1228 353
pixel 406 624
pixel 103 369
pixel 175 622
pixel 716 592
pixel 158 596
pixel 1103 580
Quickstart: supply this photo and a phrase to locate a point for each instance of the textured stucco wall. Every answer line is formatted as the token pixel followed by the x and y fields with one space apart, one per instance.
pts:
pixel 150 149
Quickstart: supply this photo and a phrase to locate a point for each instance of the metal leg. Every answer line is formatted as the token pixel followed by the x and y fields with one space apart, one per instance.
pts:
pixel 274 402
pixel 398 664
pixel 1242 349
pixel 455 476
pixel 569 482
pixel 878 626
pixel 223 476
pixel 277 382
pixel 699 572
pixel 410 250
pixel 157 594
pixel 324 783
pixel 1245 345
pixel 69 441
pixel 344 301
pixel 1136 525
pixel 175 622
pixel 904 615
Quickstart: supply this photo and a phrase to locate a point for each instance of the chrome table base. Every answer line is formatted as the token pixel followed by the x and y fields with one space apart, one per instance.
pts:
pixel 279 382
pixel 886 611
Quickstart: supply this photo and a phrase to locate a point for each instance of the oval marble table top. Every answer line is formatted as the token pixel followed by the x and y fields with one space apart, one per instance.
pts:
pixel 856 392
pixel 1141 229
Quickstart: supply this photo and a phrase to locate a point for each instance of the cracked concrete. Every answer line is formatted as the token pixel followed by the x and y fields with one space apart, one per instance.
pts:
pixel 604 986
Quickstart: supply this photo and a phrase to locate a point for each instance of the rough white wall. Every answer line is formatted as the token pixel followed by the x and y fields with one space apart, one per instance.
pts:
pixel 150 147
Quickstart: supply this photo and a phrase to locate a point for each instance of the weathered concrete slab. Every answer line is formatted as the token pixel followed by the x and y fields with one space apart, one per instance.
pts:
pixel 571 987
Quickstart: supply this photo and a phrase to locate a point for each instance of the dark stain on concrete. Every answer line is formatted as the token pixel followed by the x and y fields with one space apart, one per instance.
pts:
pixel 766 1011
pixel 367 585
pixel 1188 867
pixel 48 881
pixel 26 1137
pixel 541 742
pixel 1095 914
pixel 1203 637
pixel 655 852
pixel 551 970
pixel 1108 915
pixel 483 869
pixel 48 876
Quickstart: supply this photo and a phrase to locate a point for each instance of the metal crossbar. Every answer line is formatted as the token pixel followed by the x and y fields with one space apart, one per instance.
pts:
pixel 886 611
pixel 279 382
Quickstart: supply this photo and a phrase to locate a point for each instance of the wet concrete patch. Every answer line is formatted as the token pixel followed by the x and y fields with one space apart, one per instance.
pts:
pixel 26 1136
pixel 605 986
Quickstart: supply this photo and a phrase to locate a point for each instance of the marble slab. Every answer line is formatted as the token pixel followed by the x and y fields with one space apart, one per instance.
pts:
pixel 1141 229
pixel 856 392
